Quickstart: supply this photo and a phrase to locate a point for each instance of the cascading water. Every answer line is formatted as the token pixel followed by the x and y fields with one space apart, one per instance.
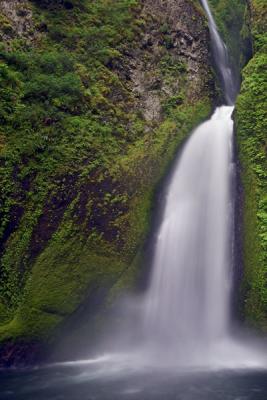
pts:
pixel 189 296
pixel 187 307
pixel 188 299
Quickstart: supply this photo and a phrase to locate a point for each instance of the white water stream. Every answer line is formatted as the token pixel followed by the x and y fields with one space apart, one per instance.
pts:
pixel 187 307
pixel 188 298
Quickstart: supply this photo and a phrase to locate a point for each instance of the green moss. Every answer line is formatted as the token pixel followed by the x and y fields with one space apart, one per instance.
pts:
pixel 48 96
pixel 69 268
pixel 251 117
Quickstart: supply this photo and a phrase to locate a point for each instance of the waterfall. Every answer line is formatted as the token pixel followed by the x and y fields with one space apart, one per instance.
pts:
pixel 186 312
pixel 183 320
pixel 188 300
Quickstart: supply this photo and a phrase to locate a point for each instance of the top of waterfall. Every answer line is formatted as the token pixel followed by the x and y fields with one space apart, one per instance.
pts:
pixel 221 58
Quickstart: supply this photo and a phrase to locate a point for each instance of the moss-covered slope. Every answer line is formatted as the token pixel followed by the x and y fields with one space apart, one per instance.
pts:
pixel 95 98
pixel 251 121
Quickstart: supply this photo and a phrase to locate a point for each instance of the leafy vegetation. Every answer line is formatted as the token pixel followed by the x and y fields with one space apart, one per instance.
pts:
pixel 53 121
pixel 251 117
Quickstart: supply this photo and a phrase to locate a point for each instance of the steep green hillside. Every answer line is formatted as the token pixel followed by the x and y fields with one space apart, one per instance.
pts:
pixel 95 98
pixel 251 117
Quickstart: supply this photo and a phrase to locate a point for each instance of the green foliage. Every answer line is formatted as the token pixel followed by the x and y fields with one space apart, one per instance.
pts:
pixel 10 85
pixel 251 117
pixel 52 104
pixel 171 66
pixel 172 102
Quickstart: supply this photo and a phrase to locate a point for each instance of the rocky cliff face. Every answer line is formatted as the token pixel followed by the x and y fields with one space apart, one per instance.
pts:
pixel 17 21
pixel 95 104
